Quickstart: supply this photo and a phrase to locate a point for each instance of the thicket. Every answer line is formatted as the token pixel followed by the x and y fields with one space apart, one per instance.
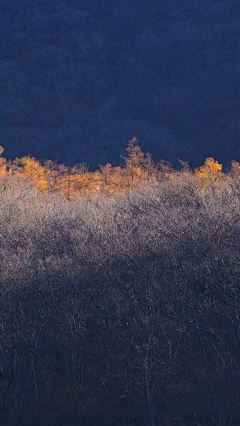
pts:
pixel 119 303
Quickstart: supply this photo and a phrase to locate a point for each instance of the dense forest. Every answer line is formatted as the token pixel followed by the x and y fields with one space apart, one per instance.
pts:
pixel 120 296
pixel 81 77
pixel 119 273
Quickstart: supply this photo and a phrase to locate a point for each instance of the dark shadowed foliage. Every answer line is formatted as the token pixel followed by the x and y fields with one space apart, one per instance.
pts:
pixel 121 309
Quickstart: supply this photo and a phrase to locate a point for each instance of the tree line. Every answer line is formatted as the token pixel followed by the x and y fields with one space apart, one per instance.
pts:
pixel 120 304
pixel 137 169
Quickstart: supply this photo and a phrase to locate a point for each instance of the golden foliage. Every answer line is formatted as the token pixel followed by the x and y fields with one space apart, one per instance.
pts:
pixel 209 173
pixel 31 169
pixel 138 169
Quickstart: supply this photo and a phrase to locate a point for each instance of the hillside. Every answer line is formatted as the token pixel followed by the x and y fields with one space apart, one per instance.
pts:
pixel 119 294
